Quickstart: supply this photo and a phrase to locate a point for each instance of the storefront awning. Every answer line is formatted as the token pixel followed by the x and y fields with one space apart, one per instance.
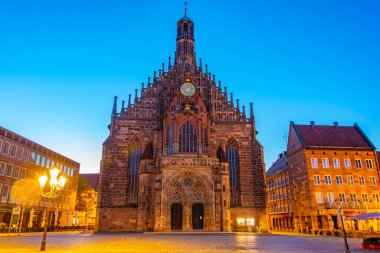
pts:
pixel 365 216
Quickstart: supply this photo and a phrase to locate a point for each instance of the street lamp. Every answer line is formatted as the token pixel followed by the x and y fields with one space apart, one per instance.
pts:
pixel 51 190
pixel 346 248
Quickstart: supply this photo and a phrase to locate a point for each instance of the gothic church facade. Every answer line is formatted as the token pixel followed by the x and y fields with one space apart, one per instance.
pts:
pixel 182 156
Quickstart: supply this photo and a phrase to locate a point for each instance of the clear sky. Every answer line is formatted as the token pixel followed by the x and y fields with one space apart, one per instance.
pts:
pixel 61 63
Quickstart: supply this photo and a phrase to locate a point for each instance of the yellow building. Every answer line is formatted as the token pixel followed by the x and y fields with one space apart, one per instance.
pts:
pixel 279 197
pixel 330 167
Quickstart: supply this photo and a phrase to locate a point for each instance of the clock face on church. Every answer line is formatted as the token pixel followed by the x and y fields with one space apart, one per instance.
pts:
pixel 187 89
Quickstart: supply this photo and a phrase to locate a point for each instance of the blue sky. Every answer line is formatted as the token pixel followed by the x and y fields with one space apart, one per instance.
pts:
pixel 61 63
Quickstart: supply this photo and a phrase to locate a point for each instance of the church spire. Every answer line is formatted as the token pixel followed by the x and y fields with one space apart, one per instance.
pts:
pixel 185 42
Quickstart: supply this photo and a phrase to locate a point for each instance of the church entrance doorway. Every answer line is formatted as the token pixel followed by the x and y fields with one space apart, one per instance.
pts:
pixel 198 217
pixel 176 216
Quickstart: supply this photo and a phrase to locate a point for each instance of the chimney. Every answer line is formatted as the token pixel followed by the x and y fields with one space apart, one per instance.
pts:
pixel 335 124
pixel 312 124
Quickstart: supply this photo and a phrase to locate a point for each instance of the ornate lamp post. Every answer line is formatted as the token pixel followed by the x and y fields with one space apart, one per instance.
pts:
pixel 346 248
pixel 51 190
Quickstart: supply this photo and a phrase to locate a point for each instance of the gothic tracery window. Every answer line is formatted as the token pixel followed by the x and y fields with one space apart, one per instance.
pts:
pixel 133 170
pixel 187 139
pixel 232 154
pixel 204 140
pixel 170 141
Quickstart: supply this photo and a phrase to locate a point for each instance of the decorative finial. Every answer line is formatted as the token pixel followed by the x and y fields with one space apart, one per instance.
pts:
pixel 114 109
pixel 185 8
pixel 122 106
pixel 129 100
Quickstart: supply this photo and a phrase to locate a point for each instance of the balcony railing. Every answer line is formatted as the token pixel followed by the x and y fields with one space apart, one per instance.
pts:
pixel 189 161
pixel 352 205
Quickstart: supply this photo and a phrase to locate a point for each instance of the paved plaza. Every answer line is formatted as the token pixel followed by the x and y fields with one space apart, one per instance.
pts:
pixel 178 243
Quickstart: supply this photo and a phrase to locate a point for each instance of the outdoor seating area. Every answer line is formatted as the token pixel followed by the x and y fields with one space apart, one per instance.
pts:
pixel 4 229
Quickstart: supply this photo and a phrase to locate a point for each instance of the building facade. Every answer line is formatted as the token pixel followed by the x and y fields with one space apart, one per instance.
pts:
pixel 23 161
pixel 279 197
pixel 182 156
pixel 330 167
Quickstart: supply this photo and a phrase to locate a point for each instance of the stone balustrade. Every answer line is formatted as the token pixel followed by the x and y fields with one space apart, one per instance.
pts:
pixel 189 161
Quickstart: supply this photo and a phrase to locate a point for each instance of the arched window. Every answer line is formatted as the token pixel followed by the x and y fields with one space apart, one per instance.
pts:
pixel 204 140
pixel 133 171
pixel 185 29
pixel 170 141
pixel 187 139
pixel 232 154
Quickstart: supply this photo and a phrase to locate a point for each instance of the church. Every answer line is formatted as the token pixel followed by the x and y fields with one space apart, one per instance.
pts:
pixel 182 156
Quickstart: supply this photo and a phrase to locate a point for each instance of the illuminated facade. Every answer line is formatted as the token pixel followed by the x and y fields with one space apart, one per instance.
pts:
pixel 279 197
pixel 22 159
pixel 330 167
pixel 183 156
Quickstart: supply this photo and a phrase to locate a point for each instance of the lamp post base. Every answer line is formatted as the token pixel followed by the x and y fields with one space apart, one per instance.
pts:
pixel 43 246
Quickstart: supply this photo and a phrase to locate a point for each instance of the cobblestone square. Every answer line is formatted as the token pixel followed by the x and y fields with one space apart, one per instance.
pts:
pixel 175 242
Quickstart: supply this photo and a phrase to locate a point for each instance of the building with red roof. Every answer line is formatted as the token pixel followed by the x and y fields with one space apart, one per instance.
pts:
pixel 331 167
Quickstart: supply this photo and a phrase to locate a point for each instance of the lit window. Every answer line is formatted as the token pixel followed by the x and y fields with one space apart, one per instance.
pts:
pixel 365 197
pixel 347 163
pixel 325 163
pixel 314 163
pixel 358 163
pixel 328 180
pixel 350 180
pixel 336 163
pixel 362 180
pixel 339 180
pixel 330 197
pixel 372 180
pixel 353 197
pixel 319 197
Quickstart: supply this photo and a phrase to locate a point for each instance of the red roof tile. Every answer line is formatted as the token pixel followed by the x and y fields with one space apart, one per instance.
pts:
pixel 332 136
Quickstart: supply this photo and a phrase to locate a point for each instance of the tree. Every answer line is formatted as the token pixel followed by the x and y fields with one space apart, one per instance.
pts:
pixel 86 197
